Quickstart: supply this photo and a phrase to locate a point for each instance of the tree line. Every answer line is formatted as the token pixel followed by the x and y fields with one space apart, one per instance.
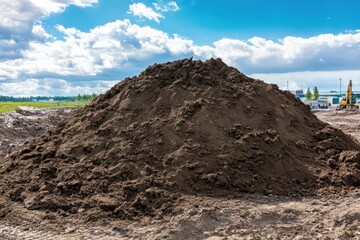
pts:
pixel 38 98
pixel 314 95
pixel 84 97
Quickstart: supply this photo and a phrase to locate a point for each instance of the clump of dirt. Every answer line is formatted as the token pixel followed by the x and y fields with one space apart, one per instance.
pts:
pixel 184 127
pixel 18 127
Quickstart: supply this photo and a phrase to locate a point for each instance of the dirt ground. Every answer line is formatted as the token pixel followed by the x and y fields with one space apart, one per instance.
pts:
pixel 347 121
pixel 247 217
pixel 243 216
pixel 17 127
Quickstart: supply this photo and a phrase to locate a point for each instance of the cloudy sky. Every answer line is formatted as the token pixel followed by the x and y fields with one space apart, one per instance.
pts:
pixel 66 47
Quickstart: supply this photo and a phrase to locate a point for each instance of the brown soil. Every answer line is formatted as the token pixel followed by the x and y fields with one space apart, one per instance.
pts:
pixel 347 121
pixel 185 127
pixel 17 127
pixel 250 216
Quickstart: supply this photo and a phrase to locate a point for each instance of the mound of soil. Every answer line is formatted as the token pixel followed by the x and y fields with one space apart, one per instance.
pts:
pixel 184 127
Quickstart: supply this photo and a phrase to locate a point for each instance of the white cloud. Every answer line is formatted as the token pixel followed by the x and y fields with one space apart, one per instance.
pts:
pixel 53 87
pixel 142 11
pixel 126 48
pixel 178 45
pixel 18 15
pixel 110 46
pixel 322 52
pixel 38 31
pixel 69 32
pixel 56 6
pixel 118 49
pixel 19 21
pixel 168 7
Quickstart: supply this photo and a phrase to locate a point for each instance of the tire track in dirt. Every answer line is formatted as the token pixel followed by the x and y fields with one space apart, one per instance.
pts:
pixel 10 232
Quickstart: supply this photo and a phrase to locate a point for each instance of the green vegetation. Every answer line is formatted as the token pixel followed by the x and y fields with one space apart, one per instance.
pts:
pixel 308 94
pixel 86 97
pixel 316 93
pixel 12 106
pixel 38 98
pixel 312 95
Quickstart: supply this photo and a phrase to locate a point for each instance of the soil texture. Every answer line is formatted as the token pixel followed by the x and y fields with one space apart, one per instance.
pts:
pixel 20 126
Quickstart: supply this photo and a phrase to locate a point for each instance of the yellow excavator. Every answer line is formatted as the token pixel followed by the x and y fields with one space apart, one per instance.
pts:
pixel 349 101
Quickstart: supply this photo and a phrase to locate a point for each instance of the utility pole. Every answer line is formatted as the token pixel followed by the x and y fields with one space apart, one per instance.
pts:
pixel 340 87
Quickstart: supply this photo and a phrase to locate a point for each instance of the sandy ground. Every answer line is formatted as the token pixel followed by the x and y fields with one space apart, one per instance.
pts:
pixel 245 217
pixel 236 217
pixel 347 121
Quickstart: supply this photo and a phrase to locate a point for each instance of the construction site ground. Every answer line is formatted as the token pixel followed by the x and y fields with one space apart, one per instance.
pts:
pixel 238 216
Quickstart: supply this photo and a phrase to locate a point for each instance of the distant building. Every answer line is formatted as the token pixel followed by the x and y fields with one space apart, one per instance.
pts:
pixel 47 100
pixel 299 92
pixel 325 98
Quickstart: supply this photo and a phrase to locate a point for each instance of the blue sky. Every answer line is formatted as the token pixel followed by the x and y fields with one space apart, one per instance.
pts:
pixel 66 47
pixel 207 21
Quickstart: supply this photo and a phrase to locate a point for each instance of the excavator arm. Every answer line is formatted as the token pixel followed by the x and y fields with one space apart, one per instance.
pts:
pixel 349 102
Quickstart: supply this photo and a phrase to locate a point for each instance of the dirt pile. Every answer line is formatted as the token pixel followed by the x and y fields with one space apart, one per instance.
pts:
pixel 185 127
pixel 19 126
